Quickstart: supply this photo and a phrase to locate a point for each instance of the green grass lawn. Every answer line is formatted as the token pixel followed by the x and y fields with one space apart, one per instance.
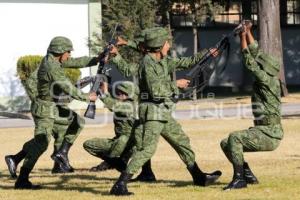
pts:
pixel 277 171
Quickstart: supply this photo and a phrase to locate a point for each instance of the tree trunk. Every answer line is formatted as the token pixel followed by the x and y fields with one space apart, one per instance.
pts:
pixel 195 37
pixel 270 34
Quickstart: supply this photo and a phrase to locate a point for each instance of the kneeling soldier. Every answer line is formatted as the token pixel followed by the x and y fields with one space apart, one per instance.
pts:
pixel 116 151
pixel 267 131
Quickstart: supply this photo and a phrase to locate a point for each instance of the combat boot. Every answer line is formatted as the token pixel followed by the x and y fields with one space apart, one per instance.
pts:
pixel 248 175
pixel 12 162
pixel 146 174
pixel 114 162
pixel 203 179
pixel 59 169
pixel 23 182
pixel 12 166
pixel 238 180
pixel 103 166
pixel 120 187
pixel 61 156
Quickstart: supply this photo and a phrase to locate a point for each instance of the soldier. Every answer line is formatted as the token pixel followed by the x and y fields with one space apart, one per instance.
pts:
pixel 129 70
pixel 156 95
pixel 44 109
pixel 267 131
pixel 66 127
pixel 124 105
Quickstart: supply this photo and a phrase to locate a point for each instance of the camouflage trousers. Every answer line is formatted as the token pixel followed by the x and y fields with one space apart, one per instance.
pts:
pixel 67 127
pixel 147 141
pixel 251 140
pixel 120 146
pixel 62 128
pixel 105 147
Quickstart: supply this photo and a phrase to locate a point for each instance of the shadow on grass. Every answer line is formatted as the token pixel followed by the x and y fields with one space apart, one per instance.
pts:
pixel 177 183
pixel 65 182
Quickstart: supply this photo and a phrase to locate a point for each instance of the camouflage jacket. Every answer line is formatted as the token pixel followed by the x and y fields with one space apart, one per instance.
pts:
pixel 52 80
pixel 30 84
pixel 266 97
pixel 157 87
pixel 125 114
pixel 125 68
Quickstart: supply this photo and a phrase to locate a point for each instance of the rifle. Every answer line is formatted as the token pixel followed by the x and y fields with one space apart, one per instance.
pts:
pixel 203 66
pixel 102 75
pixel 63 99
pixel 84 81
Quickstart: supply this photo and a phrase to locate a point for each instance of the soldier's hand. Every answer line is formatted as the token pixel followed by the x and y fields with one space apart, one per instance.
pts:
pixel 243 31
pixel 121 41
pixel 113 50
pixel 182 83
pixel 104 87
pixel 214 52
pixel 247 24
pixel 93 96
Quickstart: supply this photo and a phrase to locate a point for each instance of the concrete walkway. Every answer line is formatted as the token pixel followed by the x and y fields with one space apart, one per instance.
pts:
pixel 239 112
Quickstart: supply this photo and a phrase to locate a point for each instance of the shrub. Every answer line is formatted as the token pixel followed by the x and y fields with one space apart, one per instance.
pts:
pixel 28 64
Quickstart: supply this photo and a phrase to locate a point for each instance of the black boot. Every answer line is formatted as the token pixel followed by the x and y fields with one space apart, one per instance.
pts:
pixel 23 182
pixel 12 162
pixel 114 162
pixel 12 166
pixel 203 179
pixel 120 187
pixel 238 180
pixel 103 166
pixel 248 175
pixel 146 174
pixel 61 156
pixel 59 169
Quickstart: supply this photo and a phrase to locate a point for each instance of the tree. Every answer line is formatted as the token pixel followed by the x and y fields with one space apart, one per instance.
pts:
pixel 202 12
pixel 132 15
pixel 270 34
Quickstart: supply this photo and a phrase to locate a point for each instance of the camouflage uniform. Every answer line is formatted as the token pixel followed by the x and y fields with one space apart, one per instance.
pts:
pixel 266 107
pixel 69 124
pixel 45 111
pixel 157 90
pixel 125 122
pixel 156 108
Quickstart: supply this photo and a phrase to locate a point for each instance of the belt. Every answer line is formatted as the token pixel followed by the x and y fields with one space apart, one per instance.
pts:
pixel 156 101
pixel 267 121
pixel 45 98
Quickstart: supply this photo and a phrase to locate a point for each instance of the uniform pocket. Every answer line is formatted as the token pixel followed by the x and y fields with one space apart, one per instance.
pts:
pixel 44 109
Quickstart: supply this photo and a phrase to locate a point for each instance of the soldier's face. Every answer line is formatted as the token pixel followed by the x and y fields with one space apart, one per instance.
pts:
pixel 165 49
pixel 66 56
pixel 122 97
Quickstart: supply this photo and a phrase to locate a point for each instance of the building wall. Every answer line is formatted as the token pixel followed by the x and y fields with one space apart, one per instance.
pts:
pixel 235 74
pixel 27 28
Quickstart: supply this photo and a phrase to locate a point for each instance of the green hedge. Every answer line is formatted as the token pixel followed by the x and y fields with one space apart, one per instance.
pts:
pixel 28 64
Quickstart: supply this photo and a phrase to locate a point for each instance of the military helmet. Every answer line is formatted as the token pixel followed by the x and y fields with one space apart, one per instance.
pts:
pixel 129 88
pixel 269 63
pixel 141 37
pixel 60 45
pixel 156 37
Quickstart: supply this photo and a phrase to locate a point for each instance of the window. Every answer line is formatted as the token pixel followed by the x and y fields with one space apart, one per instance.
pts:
pixel 232 13
pixel 293 12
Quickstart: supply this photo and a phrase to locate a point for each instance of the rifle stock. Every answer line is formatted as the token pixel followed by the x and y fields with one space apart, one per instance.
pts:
pixel 91 109
pixel 103 75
